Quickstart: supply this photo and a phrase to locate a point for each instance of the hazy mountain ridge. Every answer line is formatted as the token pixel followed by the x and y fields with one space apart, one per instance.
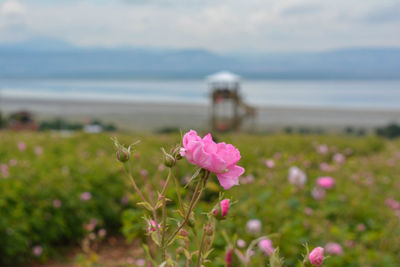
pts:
pixel 49 58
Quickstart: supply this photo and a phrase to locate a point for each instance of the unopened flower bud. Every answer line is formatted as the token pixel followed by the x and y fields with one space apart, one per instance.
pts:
pixel 169 161
pixel 209 229
pixel 152 226
pixel 221 211
pixel 123 154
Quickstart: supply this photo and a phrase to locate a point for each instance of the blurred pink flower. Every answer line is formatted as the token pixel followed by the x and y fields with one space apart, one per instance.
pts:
pixel 248 179
pixel 124 200
pixel 308 211
pixel 13 162
pixel 144 173
pixel 270 163
pixel 323 149
pixel 85 196
pixel 38 150
pixel 37 251
pixel 229 258
pixel 277 155
pixel 360 227
pixel 140 262
pixel 102 232
pixel 21 146
pixel 392 203
pixel 241 243
pixel 221 211
pixel 4 170
pixel 57 203
pixel 297 176
pixel 266 246
pixel 253 227
pixel 326 182
pixel 333 248
pixel 161 167
pixel 348 151
pixel 339 158
pixel 318 193
pixel 220 158
pixel 326 167
pixel 130 260
pixel 316 256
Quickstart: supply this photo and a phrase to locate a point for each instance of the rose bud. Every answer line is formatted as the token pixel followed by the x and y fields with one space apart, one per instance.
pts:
pixel 123 154
pixel 152 226
pixel 221 211
pixel 316 256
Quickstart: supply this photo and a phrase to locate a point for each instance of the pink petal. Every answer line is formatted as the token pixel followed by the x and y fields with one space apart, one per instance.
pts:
pixel 230 178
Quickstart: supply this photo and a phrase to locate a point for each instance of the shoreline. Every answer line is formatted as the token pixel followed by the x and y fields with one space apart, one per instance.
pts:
pixel 140 115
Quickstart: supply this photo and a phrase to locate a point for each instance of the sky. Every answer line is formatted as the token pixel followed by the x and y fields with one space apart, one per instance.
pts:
pixel 215 25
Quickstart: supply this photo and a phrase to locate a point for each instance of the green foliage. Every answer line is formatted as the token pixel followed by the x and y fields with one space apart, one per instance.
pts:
pixel 72 165
pixel 390 131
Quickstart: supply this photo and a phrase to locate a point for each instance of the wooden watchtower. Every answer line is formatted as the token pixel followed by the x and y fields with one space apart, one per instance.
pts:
pixel 228 109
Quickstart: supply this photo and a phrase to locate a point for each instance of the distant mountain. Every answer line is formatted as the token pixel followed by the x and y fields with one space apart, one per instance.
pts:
pixel 51 58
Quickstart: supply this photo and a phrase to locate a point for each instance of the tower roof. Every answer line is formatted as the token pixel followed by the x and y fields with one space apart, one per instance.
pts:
pixel 223 77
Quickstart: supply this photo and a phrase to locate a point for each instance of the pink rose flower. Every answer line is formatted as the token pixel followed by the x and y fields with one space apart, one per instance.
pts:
pixel 333 248
pixel 316 256
pixel 102 232
pixel 57 203
pixel 318 193
pixel 37 251
pixel 21 146
pixel 253 227
pixel 266 246
pixel 326 182
pixel 241 243
pixel 270 163
pixel 339 158
pixel 221 212
pixel 85 196
pixel 219 158
pixel 297 176
pixel 4 170
pixel 323 149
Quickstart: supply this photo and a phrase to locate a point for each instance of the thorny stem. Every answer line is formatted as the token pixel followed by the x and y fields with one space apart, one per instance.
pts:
pixel 177 188
pixel 154 211
pixel 129 172
pixel 195 198
pixel 164 216
pixel 134 183
pixel 200 257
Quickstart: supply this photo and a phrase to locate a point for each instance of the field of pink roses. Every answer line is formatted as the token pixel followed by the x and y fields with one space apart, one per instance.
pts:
pixel 338 193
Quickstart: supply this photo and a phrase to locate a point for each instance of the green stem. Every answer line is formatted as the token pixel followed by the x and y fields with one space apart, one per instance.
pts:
pixel 195 198
pixel 164 216
pixel 177 188
pixel 134 184
pixel 199 259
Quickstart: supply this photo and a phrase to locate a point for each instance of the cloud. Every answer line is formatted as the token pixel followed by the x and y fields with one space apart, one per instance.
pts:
pixel 224 25
pixel 305 9
pixel 386 14
pixel 12 21
pixel 12 9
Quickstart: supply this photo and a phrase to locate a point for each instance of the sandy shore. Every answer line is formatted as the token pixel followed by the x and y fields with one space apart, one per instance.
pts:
pixel 147 116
